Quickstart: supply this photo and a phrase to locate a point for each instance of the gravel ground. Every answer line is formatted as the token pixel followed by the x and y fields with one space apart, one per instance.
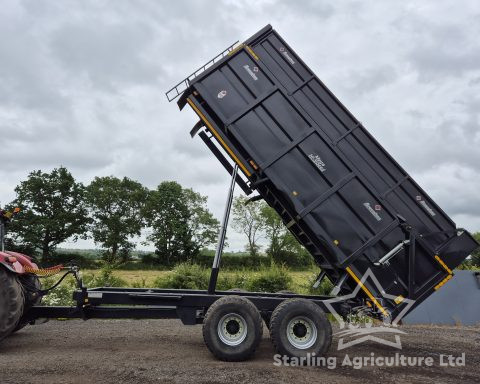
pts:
pixel 165 351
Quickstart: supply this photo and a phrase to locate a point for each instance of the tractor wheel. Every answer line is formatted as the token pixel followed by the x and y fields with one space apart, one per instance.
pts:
pixel 232 328
pixel 11 302
pixel 31 286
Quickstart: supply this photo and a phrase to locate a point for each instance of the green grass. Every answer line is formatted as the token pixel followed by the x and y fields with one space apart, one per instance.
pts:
pixel 299 278
pixel 269 279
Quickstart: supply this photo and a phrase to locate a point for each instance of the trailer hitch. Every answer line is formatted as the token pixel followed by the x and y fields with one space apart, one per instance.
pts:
pixel 70 270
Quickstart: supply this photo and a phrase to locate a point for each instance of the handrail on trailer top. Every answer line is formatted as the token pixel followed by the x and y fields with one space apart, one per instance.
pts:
pixel 186 82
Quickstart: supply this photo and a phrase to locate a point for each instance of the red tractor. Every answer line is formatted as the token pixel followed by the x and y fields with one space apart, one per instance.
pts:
pixel 21 288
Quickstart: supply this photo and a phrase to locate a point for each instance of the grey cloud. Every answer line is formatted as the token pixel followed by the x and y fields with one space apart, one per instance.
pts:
pixel 369 80
pixel 106 53
pixel 444 48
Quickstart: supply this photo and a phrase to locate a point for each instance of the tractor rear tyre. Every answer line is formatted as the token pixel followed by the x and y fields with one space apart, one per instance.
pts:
pixel 11 302
pixel 31 290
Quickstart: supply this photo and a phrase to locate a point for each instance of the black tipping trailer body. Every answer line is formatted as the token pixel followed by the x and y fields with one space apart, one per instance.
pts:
pixel 334 186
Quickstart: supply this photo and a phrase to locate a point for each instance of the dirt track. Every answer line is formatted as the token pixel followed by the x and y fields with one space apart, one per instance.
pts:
pixel 165 351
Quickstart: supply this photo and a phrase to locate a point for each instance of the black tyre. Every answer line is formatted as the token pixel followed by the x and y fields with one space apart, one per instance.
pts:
pixel 31 286
pixel 11 302
pixel 267 315
pixel 299 328
pixel 232 328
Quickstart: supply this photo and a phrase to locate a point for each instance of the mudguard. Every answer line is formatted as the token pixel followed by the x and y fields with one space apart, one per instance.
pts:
pixel 16 262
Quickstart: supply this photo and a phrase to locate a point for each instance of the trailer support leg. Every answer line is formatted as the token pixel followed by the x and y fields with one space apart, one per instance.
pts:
pixel 319 279
pixel 221 235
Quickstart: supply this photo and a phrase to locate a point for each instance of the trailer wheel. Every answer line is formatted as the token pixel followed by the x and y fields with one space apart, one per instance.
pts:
pixel 299 328
pixel 31 286
pixel 11 302
pixel 232 328
pixel 267 315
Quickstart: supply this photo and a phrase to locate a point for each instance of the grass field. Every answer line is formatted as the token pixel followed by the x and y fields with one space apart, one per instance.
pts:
pixel 299 278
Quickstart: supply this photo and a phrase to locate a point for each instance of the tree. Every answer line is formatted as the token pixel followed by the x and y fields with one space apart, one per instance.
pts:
pixel 53 210
pixel 247 218
pixel 280 238
pixel 202 225
pixel 180 222
pixel 116 207
pixel 283 246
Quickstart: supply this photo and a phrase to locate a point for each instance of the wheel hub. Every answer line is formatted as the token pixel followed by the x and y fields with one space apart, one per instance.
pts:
pixel 232 329
pixel 301 332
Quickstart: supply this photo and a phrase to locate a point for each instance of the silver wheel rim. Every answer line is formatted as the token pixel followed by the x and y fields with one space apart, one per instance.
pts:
pixel 232 329
pixel 301 332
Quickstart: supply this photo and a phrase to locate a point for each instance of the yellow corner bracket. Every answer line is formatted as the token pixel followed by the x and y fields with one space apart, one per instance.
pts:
pixel 442 263
pixel 241 46
pixel 439 285
pixel 449 271
pixel 219 138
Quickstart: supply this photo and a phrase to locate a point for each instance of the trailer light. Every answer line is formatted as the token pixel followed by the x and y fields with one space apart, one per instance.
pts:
pixel 399 299
pixel 252 163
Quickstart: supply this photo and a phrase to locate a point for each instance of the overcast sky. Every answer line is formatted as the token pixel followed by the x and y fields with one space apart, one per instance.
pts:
pixel 82 84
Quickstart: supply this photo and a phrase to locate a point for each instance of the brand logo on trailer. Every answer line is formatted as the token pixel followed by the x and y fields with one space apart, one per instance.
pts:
pixel 374 210
pixel 222 94
pixel 250 72
pixel 359 328
pixel 318 162
pixel 424 204
pixel 287 56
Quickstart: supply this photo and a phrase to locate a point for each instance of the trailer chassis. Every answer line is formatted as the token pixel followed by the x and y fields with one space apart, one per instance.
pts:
pixel 144 303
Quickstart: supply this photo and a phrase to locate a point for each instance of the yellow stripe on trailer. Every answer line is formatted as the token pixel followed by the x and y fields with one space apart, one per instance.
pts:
pixel 236 49
pixel 439 285
pixel 219 138
pixel 442 263
pixel 250 50
pixel 369 294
